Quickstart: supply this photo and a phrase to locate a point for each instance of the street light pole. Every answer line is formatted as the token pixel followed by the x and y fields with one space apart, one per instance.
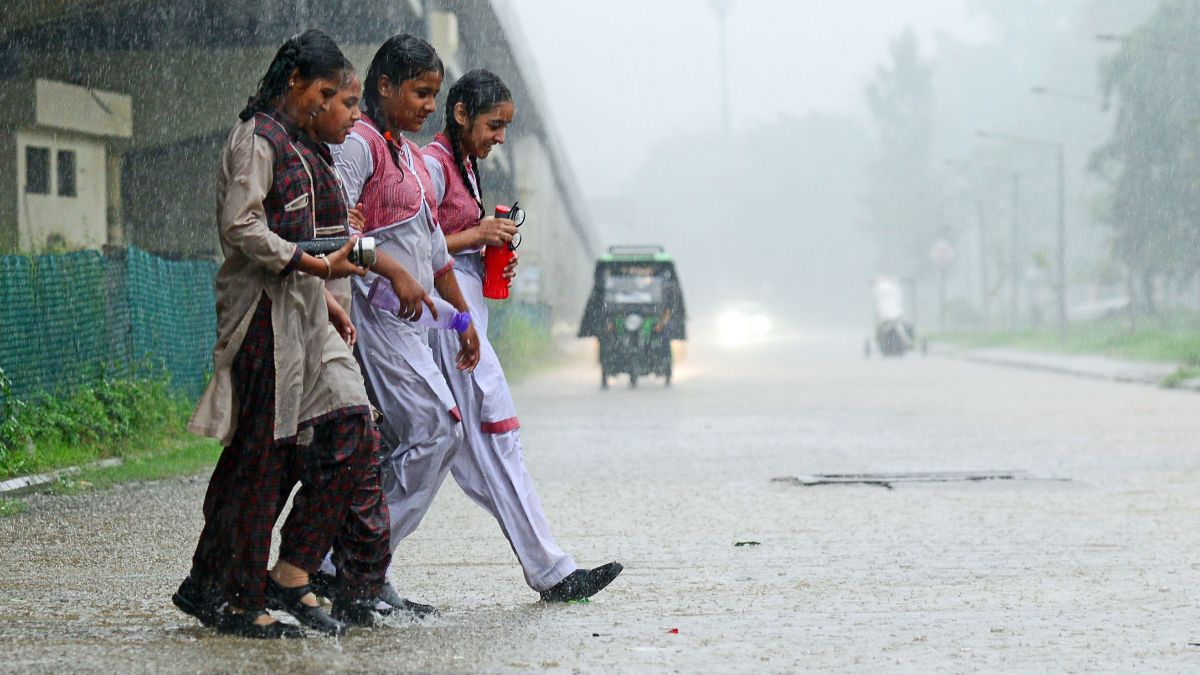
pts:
pixel 1148 43
pixel 1061 290
pixel 1041 90
pixel 721 7
pixel 1014 296
pixel 1062 245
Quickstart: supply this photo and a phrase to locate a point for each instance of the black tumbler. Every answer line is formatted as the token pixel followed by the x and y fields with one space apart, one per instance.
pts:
pixel 363 253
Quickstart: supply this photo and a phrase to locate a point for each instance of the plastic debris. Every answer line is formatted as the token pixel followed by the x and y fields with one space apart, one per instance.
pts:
pixel 673 631
pixel 748 543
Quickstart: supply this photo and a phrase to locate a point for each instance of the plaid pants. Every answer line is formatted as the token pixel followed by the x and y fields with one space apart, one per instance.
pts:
pixel 340 501
pixel 255 474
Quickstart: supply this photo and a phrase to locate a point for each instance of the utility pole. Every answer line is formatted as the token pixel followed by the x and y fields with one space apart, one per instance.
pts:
pixel 1014 296
pixel 721 7
pixel 985 295
pixel 1062 246
pixel 1061 280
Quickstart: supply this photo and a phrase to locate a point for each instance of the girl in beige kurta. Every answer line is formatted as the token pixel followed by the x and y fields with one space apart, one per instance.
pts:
pixel 286 398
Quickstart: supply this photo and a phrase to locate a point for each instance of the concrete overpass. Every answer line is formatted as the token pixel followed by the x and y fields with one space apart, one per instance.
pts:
pixel 112 113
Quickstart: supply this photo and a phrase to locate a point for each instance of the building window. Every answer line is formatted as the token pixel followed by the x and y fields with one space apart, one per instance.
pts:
pixel 37 170
pixel 66 173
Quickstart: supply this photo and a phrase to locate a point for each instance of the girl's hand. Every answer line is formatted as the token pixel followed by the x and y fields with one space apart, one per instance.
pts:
pixel 510 272
pixel 468 355
pixel 358 222
pixel 339 262
pixel 341 321
pixel 411 296
pixel 495 231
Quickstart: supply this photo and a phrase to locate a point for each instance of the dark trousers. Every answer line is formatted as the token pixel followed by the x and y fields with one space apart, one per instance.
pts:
pixel 255 474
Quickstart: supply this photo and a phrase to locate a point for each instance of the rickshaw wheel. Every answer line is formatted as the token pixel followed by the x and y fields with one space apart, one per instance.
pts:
pixel 667 375
pixel 633 380
pixel 603 378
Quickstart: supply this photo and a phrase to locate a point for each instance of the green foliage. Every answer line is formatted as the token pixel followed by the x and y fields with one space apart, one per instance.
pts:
pixel 522 341
pixel 1152 161
pixel 12 507
pixel 902 191
pixel 1177 378
pixel 111 417
pixel 1173 337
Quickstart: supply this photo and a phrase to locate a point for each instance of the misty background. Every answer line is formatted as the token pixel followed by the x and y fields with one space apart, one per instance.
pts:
pixel 844 121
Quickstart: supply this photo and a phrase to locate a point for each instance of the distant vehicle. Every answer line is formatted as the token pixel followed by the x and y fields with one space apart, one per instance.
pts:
pixel 894 333
pixel 743 323
pixel 635 310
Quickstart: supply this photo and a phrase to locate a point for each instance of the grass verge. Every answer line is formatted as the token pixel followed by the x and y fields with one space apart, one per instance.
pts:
pixel 11 507
pixel 189 456
pixel 126 418
pixel 1172 337
pixel 522 340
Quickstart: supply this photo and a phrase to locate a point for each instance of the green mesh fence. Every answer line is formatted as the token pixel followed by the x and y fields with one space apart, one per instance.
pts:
pixel 69 319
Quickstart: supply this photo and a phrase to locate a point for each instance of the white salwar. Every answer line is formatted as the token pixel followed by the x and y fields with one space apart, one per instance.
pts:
pixel 490 467
pixel 419 432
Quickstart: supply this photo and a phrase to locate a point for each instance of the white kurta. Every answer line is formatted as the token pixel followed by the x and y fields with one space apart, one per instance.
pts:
pixel 315 373
pixel 490 468
pixel 420 432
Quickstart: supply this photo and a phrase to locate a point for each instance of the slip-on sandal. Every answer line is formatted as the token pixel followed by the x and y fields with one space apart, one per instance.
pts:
pixel 289 600
pixel 242 625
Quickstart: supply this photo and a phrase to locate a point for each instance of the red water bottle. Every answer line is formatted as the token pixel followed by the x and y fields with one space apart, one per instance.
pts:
pixel 495 259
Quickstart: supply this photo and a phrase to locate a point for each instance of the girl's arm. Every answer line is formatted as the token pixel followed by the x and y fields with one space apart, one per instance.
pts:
pixel 243 219
pixel 489 231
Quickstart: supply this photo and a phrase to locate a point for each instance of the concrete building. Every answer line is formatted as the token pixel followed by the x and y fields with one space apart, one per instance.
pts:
pixel 112 113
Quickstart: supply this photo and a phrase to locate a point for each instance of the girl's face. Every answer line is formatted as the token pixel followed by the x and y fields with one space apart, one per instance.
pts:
pixel 406 106
pixel 486 130
pixel 332 124
pixel 305 99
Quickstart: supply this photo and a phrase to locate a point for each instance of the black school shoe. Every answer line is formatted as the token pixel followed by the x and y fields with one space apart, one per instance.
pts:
pixel 242 625
pixel 323 585
pixel 289 600
pixel 358 612
pixel 398 604
pixel 582 584
pixel 194 600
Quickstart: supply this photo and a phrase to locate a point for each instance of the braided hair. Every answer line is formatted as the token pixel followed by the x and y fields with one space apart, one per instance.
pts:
pixel 480 91
pixel 402 57
pixel 313 53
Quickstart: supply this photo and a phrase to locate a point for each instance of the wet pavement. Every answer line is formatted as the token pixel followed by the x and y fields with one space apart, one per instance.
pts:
pixel 1093 571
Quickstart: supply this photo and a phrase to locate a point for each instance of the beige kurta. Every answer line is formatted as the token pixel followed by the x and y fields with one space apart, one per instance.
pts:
pixel 315 373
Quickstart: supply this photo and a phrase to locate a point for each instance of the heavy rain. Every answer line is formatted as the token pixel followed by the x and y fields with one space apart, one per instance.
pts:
pixel 633 336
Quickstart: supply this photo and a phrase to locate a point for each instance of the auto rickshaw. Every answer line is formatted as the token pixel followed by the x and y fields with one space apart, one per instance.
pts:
pixel 635 310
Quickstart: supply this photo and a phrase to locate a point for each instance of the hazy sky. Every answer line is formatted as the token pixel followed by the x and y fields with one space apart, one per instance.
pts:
pixel 621 74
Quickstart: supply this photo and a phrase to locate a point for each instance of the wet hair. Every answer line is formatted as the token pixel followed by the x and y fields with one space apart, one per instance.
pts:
pixel 479 91
pixel 312 53
pixel 402 57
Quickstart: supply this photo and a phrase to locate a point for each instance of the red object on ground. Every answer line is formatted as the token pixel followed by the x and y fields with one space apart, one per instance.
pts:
pixel 495 259
pixel 673 631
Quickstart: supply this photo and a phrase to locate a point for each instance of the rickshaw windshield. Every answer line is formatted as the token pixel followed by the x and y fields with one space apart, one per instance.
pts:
pixel 629 287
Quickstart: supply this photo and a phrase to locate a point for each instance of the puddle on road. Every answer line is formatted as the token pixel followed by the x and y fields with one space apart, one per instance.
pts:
pixel 890 480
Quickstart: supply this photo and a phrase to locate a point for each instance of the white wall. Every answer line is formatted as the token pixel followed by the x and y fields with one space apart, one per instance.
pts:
pixel 81 221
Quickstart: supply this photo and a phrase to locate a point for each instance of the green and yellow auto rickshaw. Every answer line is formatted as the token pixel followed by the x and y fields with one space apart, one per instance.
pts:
pixel 636 309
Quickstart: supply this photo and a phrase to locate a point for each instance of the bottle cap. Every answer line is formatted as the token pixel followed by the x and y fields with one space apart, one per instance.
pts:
pixel 461 322
pixel 502 211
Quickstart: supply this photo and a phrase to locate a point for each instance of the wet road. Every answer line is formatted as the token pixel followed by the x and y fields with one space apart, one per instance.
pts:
pixel 1094 573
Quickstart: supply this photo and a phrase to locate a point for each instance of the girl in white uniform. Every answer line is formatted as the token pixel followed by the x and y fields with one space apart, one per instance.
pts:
pixel 490 468
pixel 384 173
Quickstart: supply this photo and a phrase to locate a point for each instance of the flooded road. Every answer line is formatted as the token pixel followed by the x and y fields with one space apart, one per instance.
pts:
pixel 1094 572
